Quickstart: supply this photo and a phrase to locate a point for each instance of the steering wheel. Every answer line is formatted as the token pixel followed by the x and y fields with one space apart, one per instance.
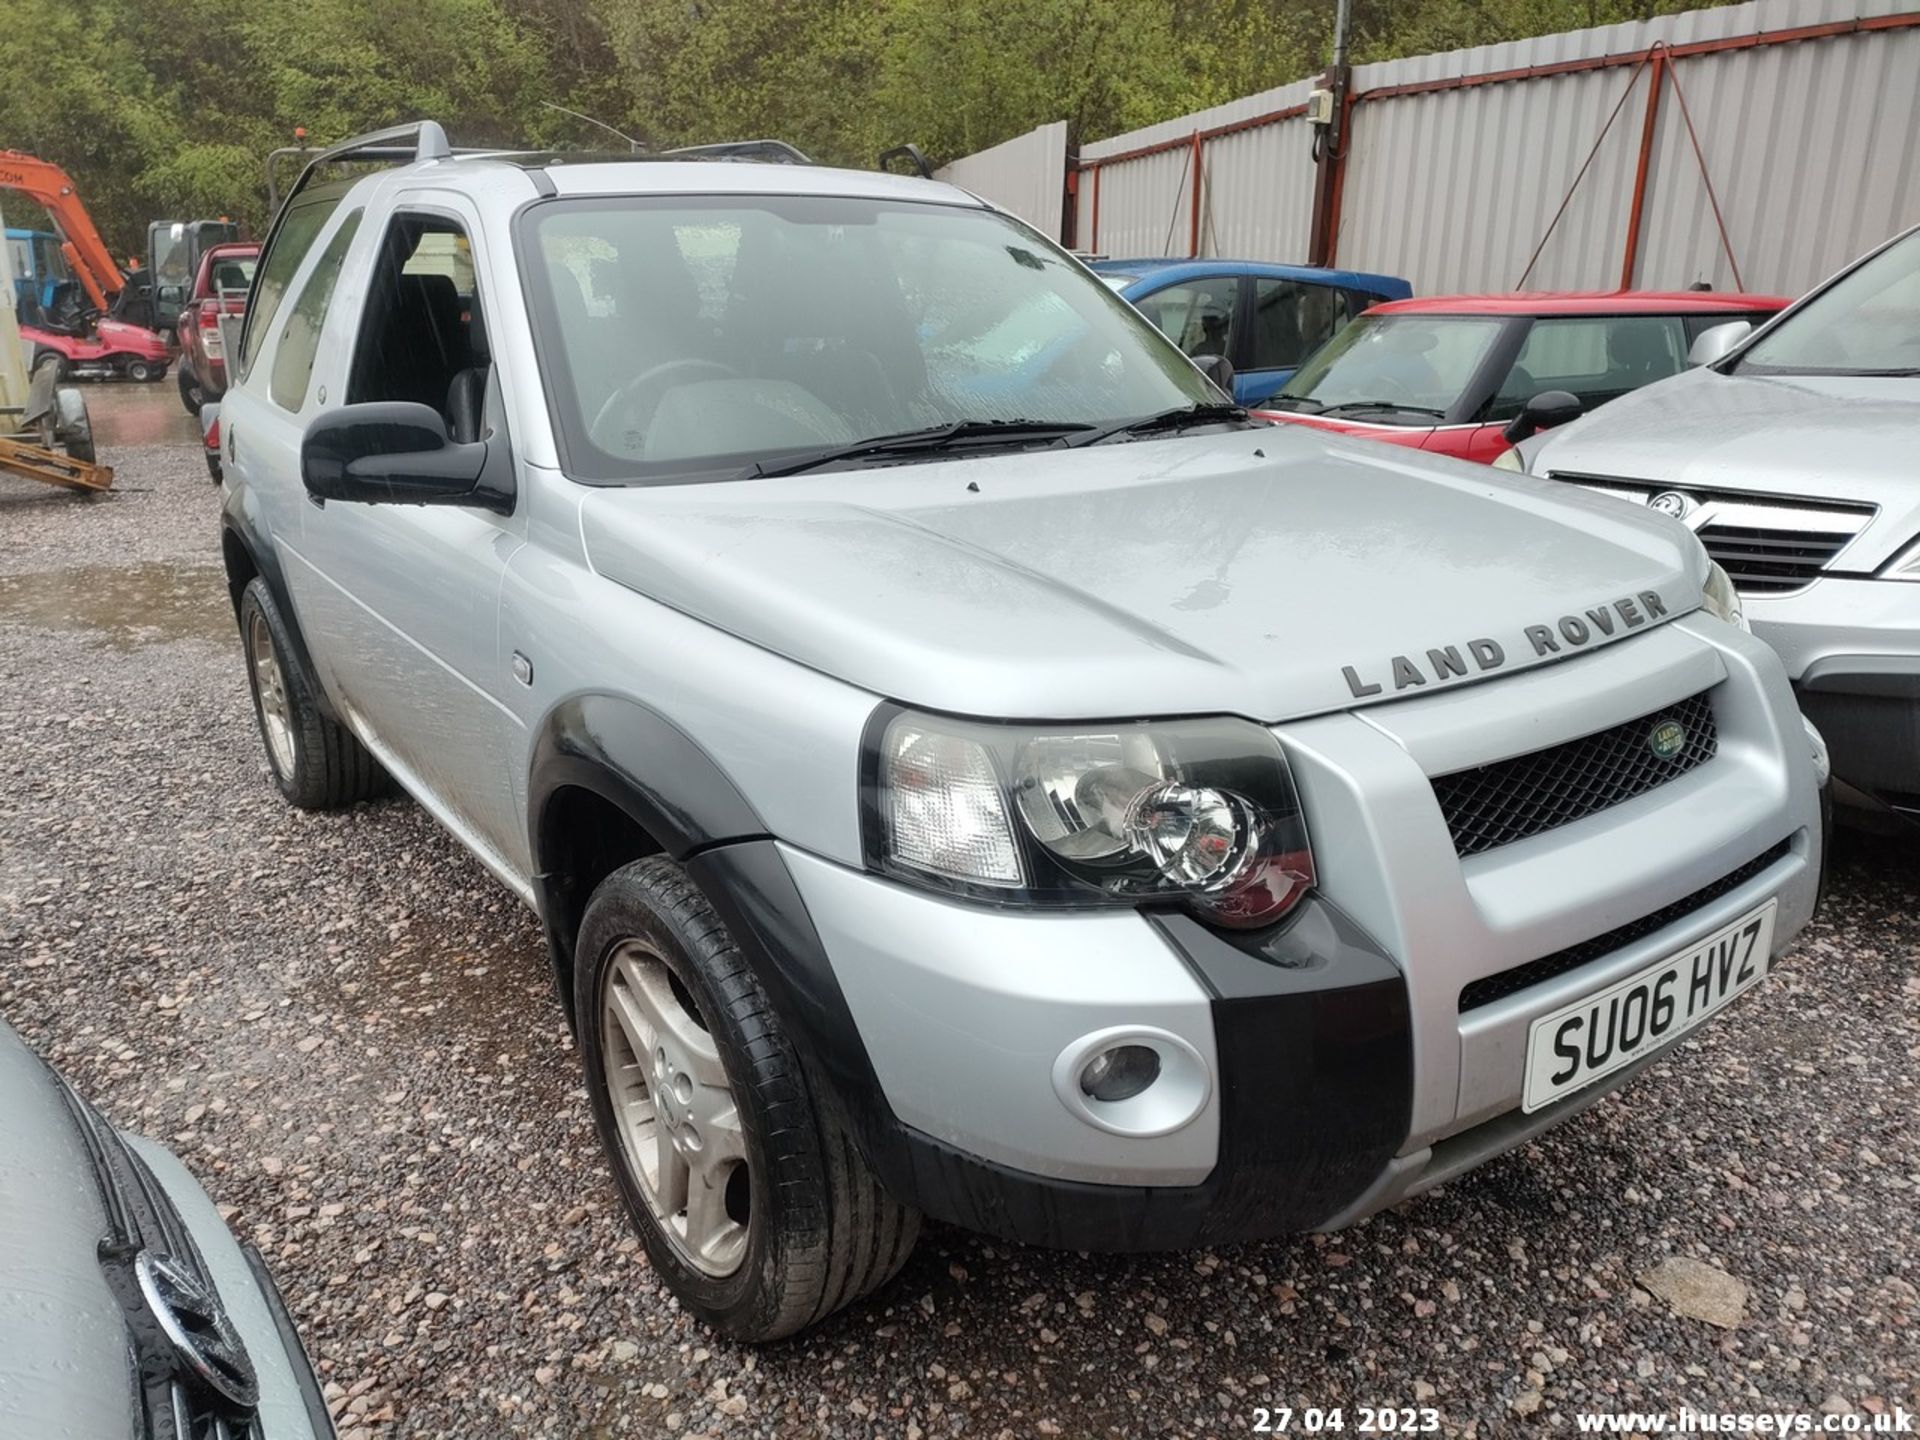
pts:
pixel 1392 387
pixel 627 396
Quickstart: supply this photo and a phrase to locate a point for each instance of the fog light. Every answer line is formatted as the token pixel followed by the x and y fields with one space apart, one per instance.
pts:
pixel 1120 1073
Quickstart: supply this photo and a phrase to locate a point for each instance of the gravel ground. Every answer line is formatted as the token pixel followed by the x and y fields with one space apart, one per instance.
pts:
pixel 345 1027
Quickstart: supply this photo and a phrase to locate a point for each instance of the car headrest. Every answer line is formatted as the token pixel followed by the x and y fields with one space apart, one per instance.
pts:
pixel 1636 347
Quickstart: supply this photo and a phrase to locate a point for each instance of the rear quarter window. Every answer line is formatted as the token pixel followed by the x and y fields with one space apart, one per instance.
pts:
pixel 288 247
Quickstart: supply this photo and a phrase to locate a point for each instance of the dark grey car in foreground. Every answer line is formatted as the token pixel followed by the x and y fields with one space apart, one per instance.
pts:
pixel 126 1307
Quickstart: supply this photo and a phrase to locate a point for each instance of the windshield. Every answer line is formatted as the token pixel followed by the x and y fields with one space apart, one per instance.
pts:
pixel 695 337
pixel 1865 324
pixel 1411 369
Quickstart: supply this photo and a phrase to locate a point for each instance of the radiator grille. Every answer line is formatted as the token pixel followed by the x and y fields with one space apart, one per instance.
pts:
pixel 1511 982
pixel 1768 544
pixel 1497 804
pixel 1766 561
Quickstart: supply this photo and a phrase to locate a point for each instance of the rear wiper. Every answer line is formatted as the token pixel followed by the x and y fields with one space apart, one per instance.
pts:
pixel 1206 412
pixel 1381 405
pixel 907 442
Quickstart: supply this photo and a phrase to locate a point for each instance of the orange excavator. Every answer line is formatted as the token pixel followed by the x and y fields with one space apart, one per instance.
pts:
pixel 87 254
pixel 45 432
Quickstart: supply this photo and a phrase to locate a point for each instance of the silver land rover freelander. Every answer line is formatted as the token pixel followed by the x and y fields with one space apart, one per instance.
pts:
pixel 965 767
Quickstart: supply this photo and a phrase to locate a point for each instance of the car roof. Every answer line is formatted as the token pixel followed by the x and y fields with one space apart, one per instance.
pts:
pixel 1585 302
pixel 1172 269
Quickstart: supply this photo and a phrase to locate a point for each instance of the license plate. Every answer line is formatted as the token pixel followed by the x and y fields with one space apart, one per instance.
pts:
pixel 1591 1038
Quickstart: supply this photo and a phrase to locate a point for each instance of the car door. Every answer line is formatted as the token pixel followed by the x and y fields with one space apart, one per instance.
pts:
pixel 262 437
pixel 1286 321
pixel 1201 316
pixel 1596 358
pixel 407 596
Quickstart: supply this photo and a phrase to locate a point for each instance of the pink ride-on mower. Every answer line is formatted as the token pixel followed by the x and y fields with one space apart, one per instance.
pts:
pixel 113 348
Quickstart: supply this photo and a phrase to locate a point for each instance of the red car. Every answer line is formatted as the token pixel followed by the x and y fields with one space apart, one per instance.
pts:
pixel 1450 374
pixel 220 288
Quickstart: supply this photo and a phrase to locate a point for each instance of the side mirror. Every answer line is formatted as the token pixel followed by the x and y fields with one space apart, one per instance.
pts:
pixel 1218 369
pixel 1544 411
pixel 909 153
pixel 172 294
pixel 1719 342
pixel 399 453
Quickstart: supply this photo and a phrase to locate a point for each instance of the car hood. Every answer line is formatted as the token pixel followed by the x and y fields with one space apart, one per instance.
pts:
pixel 63 1336
pixel 1412 436
pixel 1823 437
pixel 1268 573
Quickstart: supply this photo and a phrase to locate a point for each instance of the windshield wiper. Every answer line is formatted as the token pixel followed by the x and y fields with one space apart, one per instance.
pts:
pixel 1381 405
pixel 1206 412
pixel 935 438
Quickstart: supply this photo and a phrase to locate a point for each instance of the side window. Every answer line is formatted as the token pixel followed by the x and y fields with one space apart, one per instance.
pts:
pixel 1196 316
pixel 1598 358
pixel 1291 320
pixel 421 337
pixel 278 266
pixel 300 337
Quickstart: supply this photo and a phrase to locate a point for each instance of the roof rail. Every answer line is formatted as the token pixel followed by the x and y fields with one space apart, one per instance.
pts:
pixel 415 141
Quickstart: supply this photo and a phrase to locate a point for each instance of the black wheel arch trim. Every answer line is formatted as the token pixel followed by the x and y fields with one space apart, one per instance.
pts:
pixel 1312 1030
pixel 240 521
pixel 647 768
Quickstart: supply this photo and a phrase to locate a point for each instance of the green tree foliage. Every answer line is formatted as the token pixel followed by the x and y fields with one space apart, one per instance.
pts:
pixel 168 110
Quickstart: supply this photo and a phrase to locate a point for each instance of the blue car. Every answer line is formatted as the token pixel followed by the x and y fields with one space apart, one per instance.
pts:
pixel 1264 318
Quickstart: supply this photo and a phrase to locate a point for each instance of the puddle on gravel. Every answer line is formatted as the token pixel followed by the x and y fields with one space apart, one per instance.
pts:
pixel 127 605
pixel 127 413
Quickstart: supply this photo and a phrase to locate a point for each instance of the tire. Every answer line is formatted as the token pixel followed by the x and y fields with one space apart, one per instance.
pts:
pixel 317 763
pixel 143 373
pixel 818 1232
pixel 60 366
pixel 191 395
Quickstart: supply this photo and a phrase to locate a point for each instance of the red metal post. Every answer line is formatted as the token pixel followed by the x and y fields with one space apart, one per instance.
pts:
pixel 1193 219
pixel 1337 190
pixel 1656 77
pixel 1093 240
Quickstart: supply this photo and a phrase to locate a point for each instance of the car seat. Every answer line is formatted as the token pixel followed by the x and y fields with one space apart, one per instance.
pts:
pixel 467 395
pixel 1639 354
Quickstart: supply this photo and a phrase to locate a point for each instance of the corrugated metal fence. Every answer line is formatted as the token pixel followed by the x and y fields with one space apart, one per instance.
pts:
pixel 1027 175
pixel 1806 114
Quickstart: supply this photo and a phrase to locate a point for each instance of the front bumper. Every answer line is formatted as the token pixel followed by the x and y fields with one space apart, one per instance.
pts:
pixel 1353 1061
pixel 1852 648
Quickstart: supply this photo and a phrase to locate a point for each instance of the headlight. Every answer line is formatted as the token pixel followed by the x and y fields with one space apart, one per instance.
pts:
pixel 1720 599
pixel 1200 813
pixel 1905 565
pixel 1509 459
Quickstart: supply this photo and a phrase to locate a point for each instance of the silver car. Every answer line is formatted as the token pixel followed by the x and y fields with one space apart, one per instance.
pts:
pixel 963 765
pixel 129 1310
pixel 1795 457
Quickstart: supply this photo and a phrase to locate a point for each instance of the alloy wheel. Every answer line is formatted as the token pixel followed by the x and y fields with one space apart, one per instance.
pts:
pixel 681 1137
pixel 269 683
